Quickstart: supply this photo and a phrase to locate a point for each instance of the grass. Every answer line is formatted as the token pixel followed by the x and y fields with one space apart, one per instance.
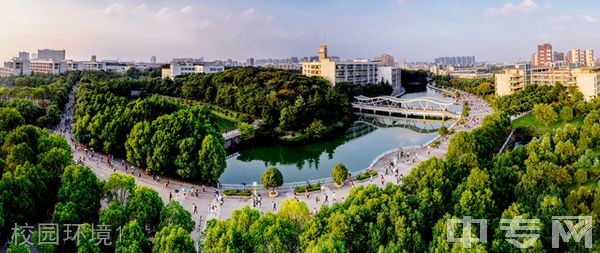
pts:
pixel 529 120
pixel 244 193
pixel 225 125
pixel 310 187
pixel 366 175
pixel 225 121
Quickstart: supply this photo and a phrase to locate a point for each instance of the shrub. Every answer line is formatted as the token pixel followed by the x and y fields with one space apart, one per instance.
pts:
pixel 236 192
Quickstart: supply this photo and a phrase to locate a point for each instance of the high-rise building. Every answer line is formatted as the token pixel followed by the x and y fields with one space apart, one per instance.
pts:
pixel 559 56
pixel 153 59
pixel 543 56
pixel 455 60
pixel 250 62
pixel 49 54
pixel 322 52
pixel 24 56
pixel 581 57
pixel 387 59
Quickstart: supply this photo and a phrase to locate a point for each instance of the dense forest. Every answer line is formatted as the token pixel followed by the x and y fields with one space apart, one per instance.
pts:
pixel 284 100
pixel 161 135
pixel 39 99
pixel 41 184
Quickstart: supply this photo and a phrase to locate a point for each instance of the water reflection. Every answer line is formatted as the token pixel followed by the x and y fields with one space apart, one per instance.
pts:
pixel 368 137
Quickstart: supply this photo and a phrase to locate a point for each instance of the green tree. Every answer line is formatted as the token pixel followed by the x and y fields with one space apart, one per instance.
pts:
pixel 326 244
pixel 173 239
pixel 316 129
pixel 138 144
pixel 339 173
pixel 115 216
pixel 119 187
pixel 132 239
pixel 271 178
pixel 544 113
pixel 247 131
pixel 79 193
pixel 175 215
pixel 566 114
pixel 86 242
pixel 443 131
pixel 212 158
pixel 10 119
pixel 145 205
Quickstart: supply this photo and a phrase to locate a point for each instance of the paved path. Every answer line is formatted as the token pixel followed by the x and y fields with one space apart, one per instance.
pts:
pixel 206 201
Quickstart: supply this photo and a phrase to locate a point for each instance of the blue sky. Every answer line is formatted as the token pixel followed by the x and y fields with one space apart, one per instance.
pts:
pixel 417 30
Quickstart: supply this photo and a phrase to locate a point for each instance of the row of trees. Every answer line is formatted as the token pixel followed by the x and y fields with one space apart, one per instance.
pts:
pixel 39 99
pixel 370 90
pixel 162 135
pixel 477 86
pixel 532 95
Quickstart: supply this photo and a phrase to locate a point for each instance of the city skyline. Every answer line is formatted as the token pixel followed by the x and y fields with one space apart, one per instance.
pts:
pixel 406 29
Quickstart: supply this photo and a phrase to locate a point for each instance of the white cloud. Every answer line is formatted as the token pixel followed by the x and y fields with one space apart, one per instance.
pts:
pixel 186 9
pixel 590 19
pixel 569 18
pixel 511 8
pixel 249 12
pixel 401 2
pixel 113 8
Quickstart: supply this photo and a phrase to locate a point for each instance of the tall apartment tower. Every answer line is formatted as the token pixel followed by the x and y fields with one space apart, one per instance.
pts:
pixel 543 56
pixel 387 59
pixel 322 52
pixel 153 59
pixel 581 57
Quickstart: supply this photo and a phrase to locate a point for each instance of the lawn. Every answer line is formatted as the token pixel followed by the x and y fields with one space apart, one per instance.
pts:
pixel 224 124
pixel 530 121
pixel 225 121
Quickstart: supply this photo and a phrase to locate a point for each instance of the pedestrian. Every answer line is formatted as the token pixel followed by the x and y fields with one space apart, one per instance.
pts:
pixel 333 199
pixel 195 209
pixel 170 196
pixel 274 206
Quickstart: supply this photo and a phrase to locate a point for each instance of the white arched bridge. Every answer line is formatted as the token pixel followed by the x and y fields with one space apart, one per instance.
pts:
pixel 425 107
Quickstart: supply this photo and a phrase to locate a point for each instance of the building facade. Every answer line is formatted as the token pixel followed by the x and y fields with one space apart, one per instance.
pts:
pixel 543 56
pixel 387 59
pixel 581 57
pixel 455 60
pixel 50 54
pixel 359 72
pixel 586 79
pixel 179 68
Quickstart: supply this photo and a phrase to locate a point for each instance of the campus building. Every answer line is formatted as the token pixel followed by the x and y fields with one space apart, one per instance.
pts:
pixel 587 79
pixel 179 67
pixel 359 72
pixel 455 61
pixel 581 57
pixel 543 56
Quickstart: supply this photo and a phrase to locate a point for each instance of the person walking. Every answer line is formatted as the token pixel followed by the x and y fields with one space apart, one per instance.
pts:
pixel 170 196
pixel 195 209
pixel 274 206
